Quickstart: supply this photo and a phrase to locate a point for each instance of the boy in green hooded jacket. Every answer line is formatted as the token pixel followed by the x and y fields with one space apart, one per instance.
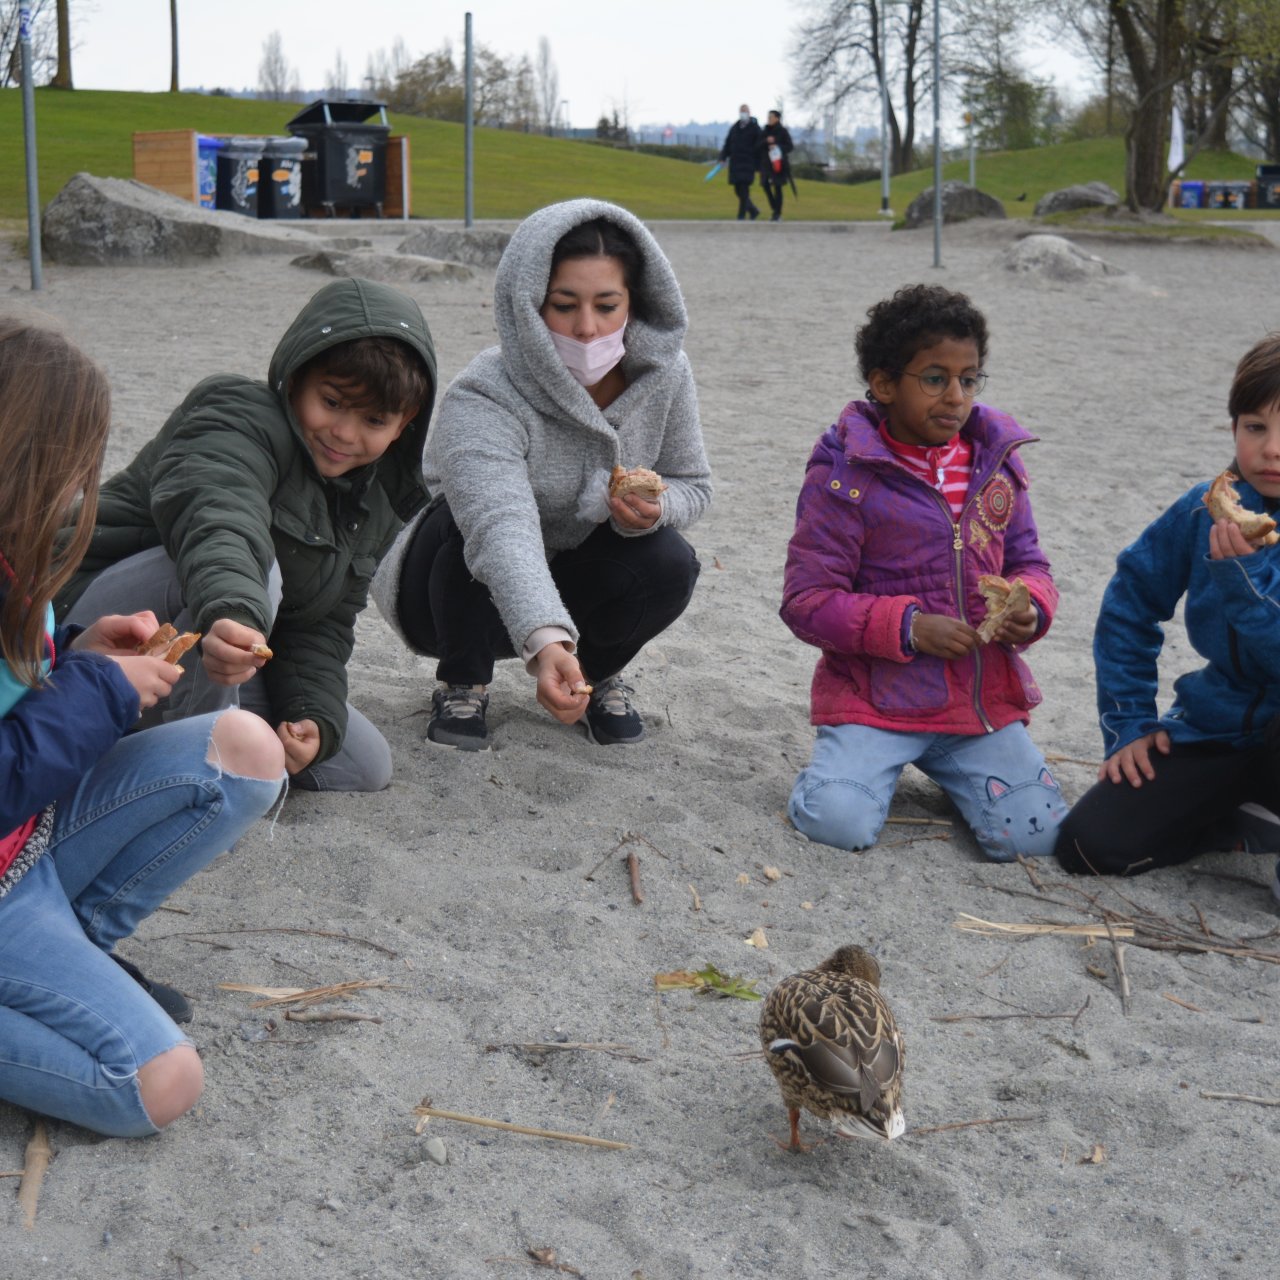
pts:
pixel 258 515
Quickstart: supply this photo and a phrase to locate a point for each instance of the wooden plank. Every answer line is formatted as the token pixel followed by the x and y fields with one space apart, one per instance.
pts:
pixel 395 199
pixel 166 160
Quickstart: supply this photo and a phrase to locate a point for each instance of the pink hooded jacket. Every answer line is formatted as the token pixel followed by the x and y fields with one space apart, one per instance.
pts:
pixel 872 539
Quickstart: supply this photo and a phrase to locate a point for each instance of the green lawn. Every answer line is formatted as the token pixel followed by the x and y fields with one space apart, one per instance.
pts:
pixel 516 173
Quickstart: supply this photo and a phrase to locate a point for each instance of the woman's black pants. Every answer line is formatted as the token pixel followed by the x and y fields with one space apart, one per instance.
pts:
pixel 620 593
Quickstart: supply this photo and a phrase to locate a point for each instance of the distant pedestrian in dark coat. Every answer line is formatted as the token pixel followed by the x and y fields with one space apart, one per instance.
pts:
pixel 775 163
pixel 742 150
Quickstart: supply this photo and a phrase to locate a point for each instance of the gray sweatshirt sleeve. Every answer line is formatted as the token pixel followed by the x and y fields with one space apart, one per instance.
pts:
pixel 479 449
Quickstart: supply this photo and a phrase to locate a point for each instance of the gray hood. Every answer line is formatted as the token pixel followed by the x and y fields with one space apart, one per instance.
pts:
pixel 655 335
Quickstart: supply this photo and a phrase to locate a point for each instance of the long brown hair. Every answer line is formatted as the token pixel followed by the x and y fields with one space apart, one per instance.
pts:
pixel 55 412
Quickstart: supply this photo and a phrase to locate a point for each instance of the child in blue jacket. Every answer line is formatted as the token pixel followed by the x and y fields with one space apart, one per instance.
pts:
pixel 1206 773
pixel 96 828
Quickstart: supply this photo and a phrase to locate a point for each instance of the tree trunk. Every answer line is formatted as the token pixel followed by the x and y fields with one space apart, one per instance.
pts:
pixel 173 46
pixel 1152 63
pixel 62 76
pixel 1219 81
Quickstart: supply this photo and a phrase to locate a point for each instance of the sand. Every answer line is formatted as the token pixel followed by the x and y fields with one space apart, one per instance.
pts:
pixel 489 888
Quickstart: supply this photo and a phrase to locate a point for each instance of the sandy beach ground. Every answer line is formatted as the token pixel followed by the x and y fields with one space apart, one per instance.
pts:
pixel 489 889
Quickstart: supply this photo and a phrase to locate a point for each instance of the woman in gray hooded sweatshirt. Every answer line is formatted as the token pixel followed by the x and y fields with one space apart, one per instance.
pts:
pixel 522 551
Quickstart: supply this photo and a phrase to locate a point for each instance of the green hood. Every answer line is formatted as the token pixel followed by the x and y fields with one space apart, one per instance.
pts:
pixel 348 309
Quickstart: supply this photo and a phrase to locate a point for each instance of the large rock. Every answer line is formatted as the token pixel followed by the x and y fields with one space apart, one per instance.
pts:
pixel 392 268
pixel 1054 259
pixel 477 246
pixel 1084 195
pixel 97 221
pixel 960 202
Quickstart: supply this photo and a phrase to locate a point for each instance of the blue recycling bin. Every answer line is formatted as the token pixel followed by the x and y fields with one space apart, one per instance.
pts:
pixel 1191 194
pixel 207 148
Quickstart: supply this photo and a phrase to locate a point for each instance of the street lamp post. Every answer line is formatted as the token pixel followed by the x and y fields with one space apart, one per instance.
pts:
pixel 885 211
pixel 564 103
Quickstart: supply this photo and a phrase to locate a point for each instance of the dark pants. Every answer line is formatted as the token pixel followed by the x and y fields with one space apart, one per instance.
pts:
pixel 745 204
pixel 773 194
pixel 620 593
pixel 1186 809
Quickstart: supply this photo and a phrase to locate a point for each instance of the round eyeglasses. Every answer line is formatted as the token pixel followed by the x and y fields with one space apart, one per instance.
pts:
pixel 934 384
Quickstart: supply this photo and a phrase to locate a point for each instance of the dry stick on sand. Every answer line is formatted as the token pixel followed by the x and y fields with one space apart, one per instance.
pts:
pixel 633 870
pixel 971 1124
pixel 1242 1097
pixel 1121 976
pixel 201 935
pixel 917 822
pixel 39 1153
pixel 329 1015
pixel 423 1109
pixel 1004 1017
pixel 614 1050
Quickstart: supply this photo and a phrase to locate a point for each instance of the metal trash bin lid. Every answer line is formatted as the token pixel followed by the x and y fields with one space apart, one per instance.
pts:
pixel 339 111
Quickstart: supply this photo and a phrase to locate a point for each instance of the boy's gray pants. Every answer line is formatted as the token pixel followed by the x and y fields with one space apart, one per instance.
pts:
pixel 149 580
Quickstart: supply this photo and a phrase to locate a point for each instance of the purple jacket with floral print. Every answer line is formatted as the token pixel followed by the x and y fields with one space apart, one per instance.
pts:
pixel 872 540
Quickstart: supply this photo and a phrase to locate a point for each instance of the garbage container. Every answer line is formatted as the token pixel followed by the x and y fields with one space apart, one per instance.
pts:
pixel 280 178
pixel 1190 194
pixel 1269 186
pixel 350 164
pixel 1229 195
pixel 207 148
pixel 237 187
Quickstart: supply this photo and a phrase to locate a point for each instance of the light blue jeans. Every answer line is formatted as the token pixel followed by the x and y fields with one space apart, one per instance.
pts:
pixel 149 580
pixel 74 1027
pixel 998 781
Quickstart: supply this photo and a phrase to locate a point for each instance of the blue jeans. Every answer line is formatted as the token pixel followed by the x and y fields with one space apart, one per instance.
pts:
pixel 74 1027
pixel 998 781
pixel 149 580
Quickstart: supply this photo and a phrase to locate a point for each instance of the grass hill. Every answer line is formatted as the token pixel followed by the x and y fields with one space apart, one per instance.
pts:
pixel 516 173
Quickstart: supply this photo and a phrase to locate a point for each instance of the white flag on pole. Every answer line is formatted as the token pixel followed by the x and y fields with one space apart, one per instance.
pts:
pixel 1177 152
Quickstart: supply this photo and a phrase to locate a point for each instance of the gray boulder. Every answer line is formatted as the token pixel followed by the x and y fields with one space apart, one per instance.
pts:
pixel 478 247
pixel 392 268
pixel 1054 259
pixel 960 202
pixel 1084 195
pixel 98 221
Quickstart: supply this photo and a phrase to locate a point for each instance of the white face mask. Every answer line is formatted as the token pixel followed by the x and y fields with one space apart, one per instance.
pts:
pixel 590 361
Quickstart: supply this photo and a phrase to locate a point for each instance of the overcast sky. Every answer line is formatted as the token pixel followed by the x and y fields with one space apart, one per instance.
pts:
pixel 655 61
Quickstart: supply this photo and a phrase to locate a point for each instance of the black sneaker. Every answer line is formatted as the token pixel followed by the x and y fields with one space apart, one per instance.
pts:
pixel 457 717
pixel 170 999
pixel 611 720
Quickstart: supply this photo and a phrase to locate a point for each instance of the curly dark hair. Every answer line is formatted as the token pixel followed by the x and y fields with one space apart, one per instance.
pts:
pixel 917 316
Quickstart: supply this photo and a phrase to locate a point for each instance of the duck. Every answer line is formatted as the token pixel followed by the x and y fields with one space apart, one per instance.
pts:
pixel 831 1041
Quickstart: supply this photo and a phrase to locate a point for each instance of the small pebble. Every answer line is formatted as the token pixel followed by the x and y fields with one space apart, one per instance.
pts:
pixel 106 1238
pixel 437 1151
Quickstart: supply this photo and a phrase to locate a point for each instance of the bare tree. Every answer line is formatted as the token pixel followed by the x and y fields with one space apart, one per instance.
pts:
pixel 44 42
pixel 837 56
pixel 337 79
pixel 547 81
pixel 275 77
pixel 173 46
pixel 62 76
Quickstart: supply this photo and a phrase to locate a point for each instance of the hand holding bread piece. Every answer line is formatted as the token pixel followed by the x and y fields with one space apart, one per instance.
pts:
pixel 1224 504
pixel 638 480
pixel 1003 600
pixel 166 643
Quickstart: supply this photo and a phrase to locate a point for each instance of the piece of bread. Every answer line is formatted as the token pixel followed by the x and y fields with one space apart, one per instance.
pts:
pixel 159 641
pixel 1003 598
pixel 261 651
pixel 638 480
pixel 1224 504
pixel 166 643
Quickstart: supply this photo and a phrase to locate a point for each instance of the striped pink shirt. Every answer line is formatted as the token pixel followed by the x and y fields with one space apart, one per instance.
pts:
pixel 945 468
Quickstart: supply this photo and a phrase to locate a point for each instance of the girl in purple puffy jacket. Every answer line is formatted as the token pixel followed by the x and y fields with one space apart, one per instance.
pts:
pixel 908 499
